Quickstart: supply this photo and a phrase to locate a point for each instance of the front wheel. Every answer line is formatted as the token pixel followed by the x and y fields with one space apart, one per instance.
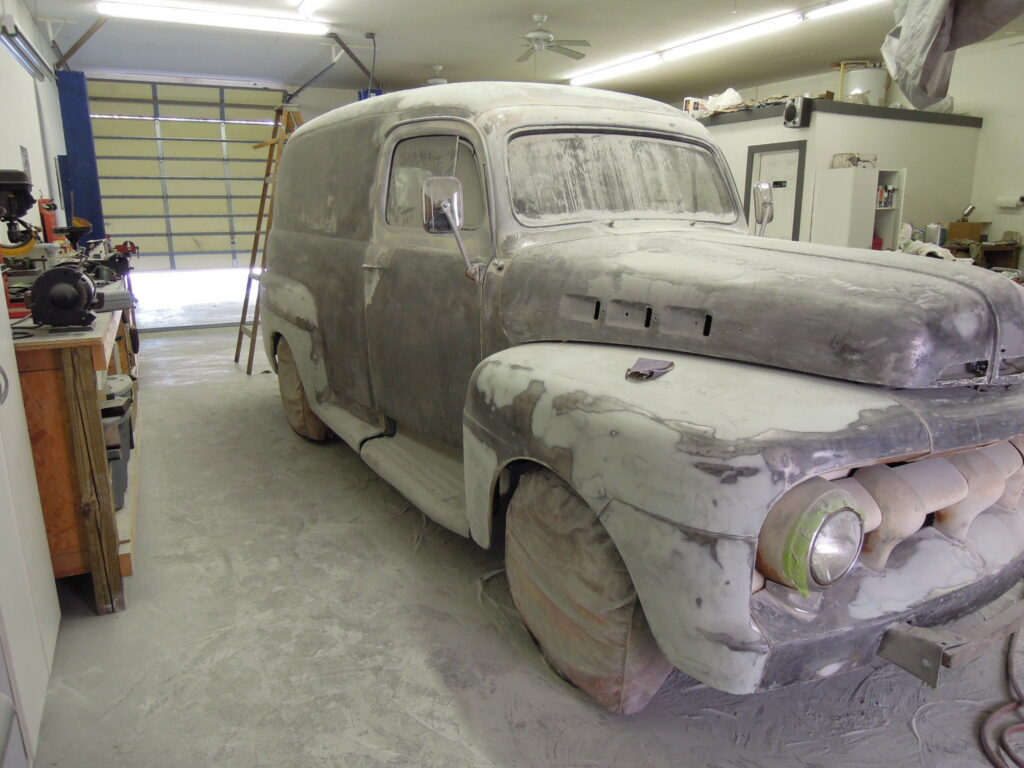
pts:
pixel 293 398
pixel 573 591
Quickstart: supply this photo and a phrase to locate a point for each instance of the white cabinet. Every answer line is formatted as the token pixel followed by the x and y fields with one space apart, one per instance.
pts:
pixel 853 206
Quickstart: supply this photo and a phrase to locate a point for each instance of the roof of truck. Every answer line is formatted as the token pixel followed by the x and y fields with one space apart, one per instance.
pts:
pixel 468 99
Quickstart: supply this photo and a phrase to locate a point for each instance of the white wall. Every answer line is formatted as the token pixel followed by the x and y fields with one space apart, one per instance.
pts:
pixel 313 101
pixel 736 138
pixel 988 81
pixel 814 84
pixel 940 159
pixel 31 112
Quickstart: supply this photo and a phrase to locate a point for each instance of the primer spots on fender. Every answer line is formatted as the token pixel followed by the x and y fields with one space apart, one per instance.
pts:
pixel 501 384
pixel 727 474
pixel 934 567
pixel 967 324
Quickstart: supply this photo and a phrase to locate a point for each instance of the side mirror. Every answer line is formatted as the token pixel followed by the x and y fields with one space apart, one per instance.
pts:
pixel 438 190
pixel 764 208
pixel 442 212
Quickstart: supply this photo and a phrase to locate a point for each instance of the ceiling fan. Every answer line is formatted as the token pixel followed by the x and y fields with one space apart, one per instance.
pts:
pixel 437 79
pixel 540 39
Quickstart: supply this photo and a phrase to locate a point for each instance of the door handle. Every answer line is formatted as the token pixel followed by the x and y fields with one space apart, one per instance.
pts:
pixel 373 266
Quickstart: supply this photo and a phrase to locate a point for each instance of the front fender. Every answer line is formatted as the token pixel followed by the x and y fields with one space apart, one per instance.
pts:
pixel 682 470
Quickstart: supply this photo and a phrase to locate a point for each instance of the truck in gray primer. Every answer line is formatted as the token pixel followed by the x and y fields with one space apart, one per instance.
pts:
pixel 793 362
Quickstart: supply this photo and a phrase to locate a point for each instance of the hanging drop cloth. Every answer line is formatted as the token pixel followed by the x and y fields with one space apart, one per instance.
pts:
pixel 919 50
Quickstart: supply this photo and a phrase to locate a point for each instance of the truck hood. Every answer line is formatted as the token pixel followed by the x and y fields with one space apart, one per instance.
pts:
pixel 875 317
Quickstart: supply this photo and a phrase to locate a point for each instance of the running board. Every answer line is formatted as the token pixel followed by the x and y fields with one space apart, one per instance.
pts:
pixel 352 429
pixel 428 474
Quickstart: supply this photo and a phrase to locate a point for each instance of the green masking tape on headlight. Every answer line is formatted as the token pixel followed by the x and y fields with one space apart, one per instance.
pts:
pixel 796 554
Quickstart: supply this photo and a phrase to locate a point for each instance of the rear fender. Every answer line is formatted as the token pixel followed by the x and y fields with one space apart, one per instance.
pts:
pixel 288 310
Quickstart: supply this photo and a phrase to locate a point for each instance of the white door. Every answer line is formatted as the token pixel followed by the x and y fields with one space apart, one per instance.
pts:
pixel 29 611
pixel 780 170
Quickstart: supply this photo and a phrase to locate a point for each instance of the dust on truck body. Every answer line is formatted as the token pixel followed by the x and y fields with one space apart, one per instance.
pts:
pixel 834 456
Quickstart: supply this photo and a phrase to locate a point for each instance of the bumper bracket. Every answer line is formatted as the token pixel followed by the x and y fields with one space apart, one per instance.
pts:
pixel 925 651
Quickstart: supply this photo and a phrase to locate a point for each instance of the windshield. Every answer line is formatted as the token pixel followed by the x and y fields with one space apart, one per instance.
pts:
pixel 562 177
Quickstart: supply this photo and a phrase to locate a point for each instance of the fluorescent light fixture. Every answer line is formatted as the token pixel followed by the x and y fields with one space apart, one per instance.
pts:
pixel 21 49
pixel 824 11
pixel 212 16
pixel 709 42
pixel 627 67
pixel 734 35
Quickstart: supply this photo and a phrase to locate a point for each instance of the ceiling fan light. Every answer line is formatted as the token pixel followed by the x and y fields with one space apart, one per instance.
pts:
pixel 211 16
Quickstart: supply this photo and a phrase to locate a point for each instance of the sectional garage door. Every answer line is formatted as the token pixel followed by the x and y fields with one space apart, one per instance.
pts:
pixel 178 174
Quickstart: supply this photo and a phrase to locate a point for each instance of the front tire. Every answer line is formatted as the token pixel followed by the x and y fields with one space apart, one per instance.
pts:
pixel 573 591
pixel 293 398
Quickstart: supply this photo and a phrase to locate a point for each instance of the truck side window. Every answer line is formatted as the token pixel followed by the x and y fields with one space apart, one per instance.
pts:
pixel 415 160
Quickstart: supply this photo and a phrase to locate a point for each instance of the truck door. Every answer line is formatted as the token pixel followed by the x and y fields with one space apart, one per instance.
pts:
pixel 422 312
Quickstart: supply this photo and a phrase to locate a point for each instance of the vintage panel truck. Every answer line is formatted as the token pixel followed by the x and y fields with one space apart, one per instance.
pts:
pixel 816 456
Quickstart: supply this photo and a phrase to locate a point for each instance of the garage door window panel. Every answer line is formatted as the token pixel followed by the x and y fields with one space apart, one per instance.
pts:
pixel 166 176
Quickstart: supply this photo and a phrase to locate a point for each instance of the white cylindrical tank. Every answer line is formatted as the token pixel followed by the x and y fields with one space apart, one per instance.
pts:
pixel 871 81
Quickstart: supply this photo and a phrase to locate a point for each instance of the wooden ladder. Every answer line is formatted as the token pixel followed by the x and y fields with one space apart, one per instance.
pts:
pixel 286 119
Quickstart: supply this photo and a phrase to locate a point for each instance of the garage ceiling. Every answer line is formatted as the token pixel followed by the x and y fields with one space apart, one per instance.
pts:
pixel 473 40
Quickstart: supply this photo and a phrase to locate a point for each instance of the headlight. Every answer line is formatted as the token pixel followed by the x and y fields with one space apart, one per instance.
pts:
pixel 836 546
pixel 812 536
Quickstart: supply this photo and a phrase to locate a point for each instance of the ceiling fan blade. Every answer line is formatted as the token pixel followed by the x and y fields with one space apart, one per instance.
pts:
pixel 566 52
pixel 527 54
pixel 576 43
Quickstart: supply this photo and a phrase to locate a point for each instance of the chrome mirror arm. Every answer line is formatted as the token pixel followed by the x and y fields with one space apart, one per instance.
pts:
pixel 473 271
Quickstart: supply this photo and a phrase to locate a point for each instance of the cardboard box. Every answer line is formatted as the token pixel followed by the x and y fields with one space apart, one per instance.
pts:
pixel 854 160
pixel 965 230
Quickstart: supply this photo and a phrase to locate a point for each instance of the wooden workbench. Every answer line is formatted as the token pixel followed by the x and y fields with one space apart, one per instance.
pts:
pixel 63 375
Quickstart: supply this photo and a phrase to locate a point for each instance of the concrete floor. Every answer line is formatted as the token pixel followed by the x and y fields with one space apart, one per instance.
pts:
pixel 291 610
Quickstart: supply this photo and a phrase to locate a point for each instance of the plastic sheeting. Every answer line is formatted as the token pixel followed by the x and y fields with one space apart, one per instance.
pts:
pixel 577 598
pixel 918 52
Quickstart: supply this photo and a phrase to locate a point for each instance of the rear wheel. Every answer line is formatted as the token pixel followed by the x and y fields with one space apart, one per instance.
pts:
pixel 293 397
pixel 575 595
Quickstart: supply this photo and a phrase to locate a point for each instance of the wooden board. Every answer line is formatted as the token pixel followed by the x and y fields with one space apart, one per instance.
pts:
pixel 90 461
pixel 46 411
pixel 100 339
pixel 61 378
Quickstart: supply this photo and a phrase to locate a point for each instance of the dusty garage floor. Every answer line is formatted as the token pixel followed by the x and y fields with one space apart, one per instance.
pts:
pixel 290 609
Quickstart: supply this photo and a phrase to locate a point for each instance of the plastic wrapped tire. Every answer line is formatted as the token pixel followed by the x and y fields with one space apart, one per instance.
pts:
pixel 575 595
pixel 293 398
